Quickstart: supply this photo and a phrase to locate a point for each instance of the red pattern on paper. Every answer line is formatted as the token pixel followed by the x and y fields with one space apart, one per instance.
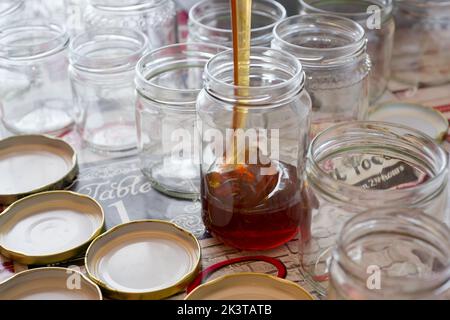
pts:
pixel 282 272
pixel 8 265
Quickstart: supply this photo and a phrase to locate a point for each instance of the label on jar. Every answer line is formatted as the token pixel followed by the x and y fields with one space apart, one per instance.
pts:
pixel 374 172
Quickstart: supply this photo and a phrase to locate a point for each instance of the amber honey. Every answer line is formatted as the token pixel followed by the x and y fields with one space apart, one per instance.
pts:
pixel 251 211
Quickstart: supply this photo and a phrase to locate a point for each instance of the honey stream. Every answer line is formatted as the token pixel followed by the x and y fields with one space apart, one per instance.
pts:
pixel 241 15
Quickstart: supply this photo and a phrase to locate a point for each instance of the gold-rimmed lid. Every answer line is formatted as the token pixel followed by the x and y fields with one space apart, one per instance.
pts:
pixel 249 286
pixel 49 227
pixel 34 163
pixel 49 284
pixel 425 119
pixel 146 259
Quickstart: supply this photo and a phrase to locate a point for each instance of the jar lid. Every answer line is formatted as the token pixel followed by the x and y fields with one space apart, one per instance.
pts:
pixel 34 163
pixel 147 259
pixel 49 227
pixel 48 284
pixel 425 119
pixel 249 286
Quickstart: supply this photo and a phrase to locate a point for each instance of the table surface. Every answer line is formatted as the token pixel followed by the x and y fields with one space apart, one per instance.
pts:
pixel 100 176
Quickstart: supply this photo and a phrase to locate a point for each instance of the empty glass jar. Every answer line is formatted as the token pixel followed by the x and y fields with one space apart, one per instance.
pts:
pixel 210 22
pixel 168 81
pixel 253 149
pixel 391 254
pixel 422 42
pixel 377 19
pixel 34 84
pixel 356 166
pixel 102 64
pixel 155 18
pixel 332 51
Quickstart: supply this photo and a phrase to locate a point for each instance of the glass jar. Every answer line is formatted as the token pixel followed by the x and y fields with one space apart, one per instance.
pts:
pixel 353 167
pixel 391 254
pixel 377 19
pixel 11 10
pixel 102 67
pixel 422 42
pixel 35 90
pixel 210 22
pixel 168 81
pixel 156 18
pixel 253 149
pixel 332 51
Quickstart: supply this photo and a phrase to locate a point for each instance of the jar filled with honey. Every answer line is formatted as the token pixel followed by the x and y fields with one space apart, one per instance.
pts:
pixel 254 139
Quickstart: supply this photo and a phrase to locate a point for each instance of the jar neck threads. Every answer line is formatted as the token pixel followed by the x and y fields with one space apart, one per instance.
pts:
pixel 433 10
pixel 435 4
pixel 32 41
pixel 356 10
pixel 321 41
pixel 275 76
pixel 126 6
pixel 107 51
pixel 209 21
pixel 371 239
pixel 156 71
pixel 10 6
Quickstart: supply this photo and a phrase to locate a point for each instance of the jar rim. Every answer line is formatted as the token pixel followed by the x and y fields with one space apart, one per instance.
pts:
pixel 121 7
pixel 353 49
pixel 255 95
pixel 365 224
pixel 14 5
pixel 58 40
pixel 89 39
pixel 387 7
pixel 194 19
pixel 164 94
pixel 381 128
pixel 424 4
